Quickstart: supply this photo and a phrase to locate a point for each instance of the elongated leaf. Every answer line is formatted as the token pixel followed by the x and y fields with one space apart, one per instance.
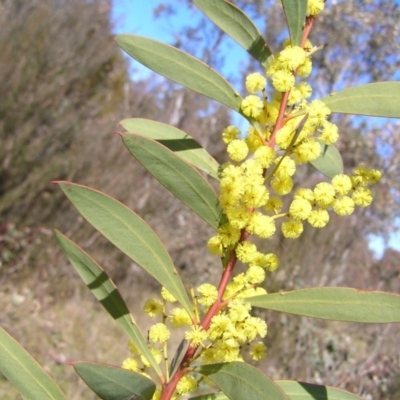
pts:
pixel 330 161
pixel 211 396
pixel 112 383
pixel 105 291
pixel 296 391
pixel 18 366
pixel 239 381
pixel 178 357
pixel 237 25
pixel 180 67
pixel 176 140
pixel 295 13
pixel 307 391
pixel 380 99
pixel 181 179
pixel 337 304
pixel 127 231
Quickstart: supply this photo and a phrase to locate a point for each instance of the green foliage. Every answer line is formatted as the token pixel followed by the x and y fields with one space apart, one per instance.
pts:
pixel 181 179
pixel 237 25
pixel 239 380
pixel 307 391
pixel 129 233
pixel 329 162
pixel 111 383
pixel 379 99
pixel 24 372
pixel 176 140
pixel 105 291
pixel 180 67
pixel 338 304
pixel 295 13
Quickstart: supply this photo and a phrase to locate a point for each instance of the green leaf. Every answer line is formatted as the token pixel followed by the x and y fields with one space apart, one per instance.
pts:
pixel 178 357
pixel 307 391
pixel 380 99
pixel 18 366
pixel 296 391
pixel 211 396
pixel 181 179
pixel 176 140
pixel 333 303
pixel 105 291
pixel 330 161
pixel 127 231
pixel 237 25
pixel 295 13
pixel 180 67
pixel 239 381
pixel 113 383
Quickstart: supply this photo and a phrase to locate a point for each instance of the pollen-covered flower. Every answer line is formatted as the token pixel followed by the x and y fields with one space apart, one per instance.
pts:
pixel 179 317
pixel 265 156
pixel 215 246
pixel 308 150
pixel 230 133
pixel 292 57
pixel 187 384
pixel 270 262
pixel 261 225
pixel 362 197
pixel 324 193
pixel 246 251
pixel 314 7
pixel 208 294
pixel 153 307
pixel 255 275
pixel 318 218
pixel 252 106
pixel 292 228
pixel 274 204
pixel 131 364
pixel 287 166
pixel 282 184
pixel 305 89
pixel 330 133
pixel 300 209
pixel 197 335
pixel 343 206
pixel 219 324
pixel 255 326
pixel 238 310
pixel 228 234
pixel 342 184
pixel 258 351
pixel 167 296
pixel 253 140
pixel 237 150
pixel 305 69
pixel 159 333
pixel 318 111
pixel 283 80
pixel 255 82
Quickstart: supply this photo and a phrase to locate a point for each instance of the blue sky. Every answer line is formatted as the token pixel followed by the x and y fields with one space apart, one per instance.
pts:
pixel 136 17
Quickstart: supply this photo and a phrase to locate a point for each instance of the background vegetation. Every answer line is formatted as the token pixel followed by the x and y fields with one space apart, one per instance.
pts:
pixel 65 86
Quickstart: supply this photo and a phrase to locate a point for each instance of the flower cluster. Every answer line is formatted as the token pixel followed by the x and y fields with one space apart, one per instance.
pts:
pixel 286 131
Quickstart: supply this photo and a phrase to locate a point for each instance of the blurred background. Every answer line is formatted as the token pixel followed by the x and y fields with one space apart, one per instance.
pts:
pixel 66 85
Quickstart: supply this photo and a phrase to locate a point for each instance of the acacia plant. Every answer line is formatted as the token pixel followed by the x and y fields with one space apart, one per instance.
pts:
pixel 255 199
